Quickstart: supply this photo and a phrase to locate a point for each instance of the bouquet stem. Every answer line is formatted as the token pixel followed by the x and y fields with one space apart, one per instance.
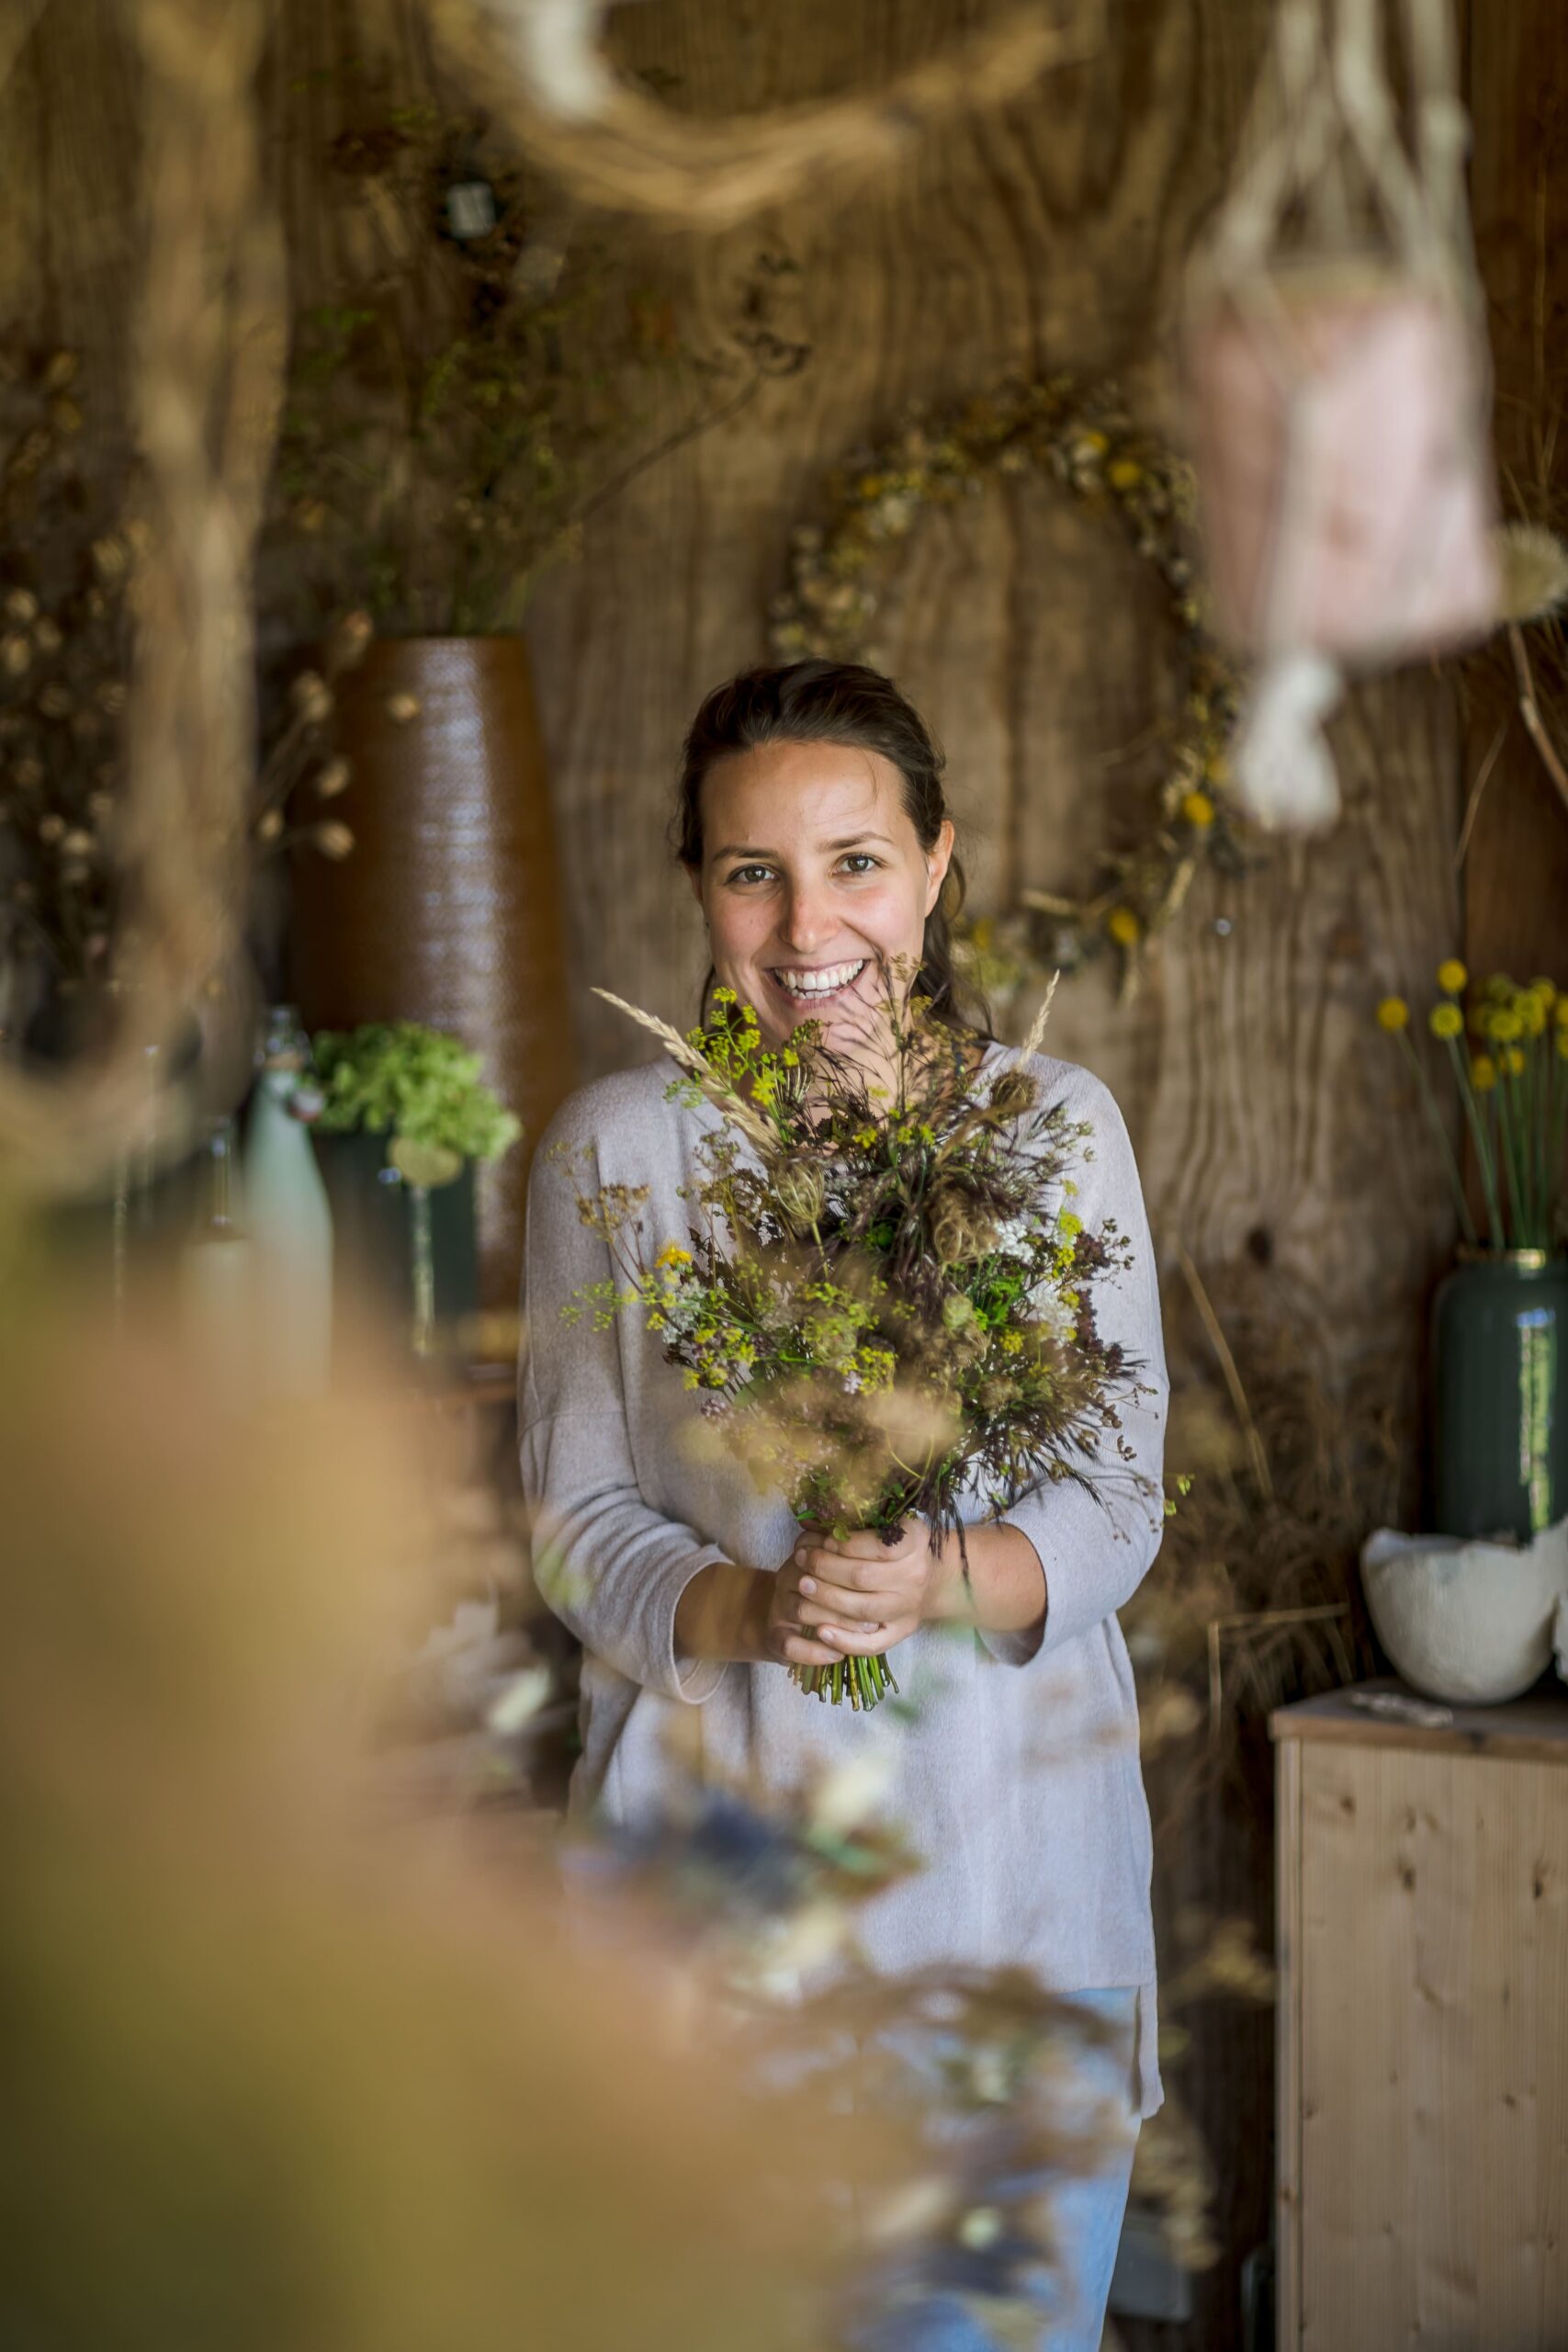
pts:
pixel 865 1682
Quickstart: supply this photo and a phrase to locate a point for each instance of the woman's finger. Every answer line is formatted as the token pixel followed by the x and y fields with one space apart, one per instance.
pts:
pixel 865 1641
pixel 831 1606
pixel 799 1651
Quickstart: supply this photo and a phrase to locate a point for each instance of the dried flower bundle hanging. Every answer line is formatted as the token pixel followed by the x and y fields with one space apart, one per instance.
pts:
pixel 1080 438
pixel 886 1300
pixel 1335 355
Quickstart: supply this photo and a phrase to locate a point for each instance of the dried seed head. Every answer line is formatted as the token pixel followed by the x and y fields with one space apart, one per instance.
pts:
pixel 65 416
pixel 60 371
pixel 332 840
pixel 77 842
pixel 961 1230
pixel 111 556
pixel 53 701
pixel 1015 1094
pixel 351 637
pixel 15 654
pixel 51 829
pixel 21 607
pixel 334 778
pixel 269 825
pixel 801 1196
pixel 311 697
pixel 401 708
pixel 26 775
pixel 100 806
pixel 111 696
pixel 48 634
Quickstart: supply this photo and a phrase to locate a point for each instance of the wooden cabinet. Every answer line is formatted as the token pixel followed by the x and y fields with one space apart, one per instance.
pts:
pixel 1423 2030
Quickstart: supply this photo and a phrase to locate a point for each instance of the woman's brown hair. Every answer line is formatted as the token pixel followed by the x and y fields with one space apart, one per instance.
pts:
pixel 844 703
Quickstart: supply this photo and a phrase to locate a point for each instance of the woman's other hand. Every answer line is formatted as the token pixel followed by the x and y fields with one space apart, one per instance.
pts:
pixel 854 1596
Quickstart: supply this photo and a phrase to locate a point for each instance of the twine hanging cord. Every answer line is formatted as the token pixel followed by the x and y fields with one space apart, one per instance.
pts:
pixel 540 67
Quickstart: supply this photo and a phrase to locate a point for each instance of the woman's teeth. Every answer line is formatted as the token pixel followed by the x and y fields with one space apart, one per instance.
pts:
pixel 827 983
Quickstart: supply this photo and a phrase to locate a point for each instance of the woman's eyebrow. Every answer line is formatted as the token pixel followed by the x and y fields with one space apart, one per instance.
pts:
pixel 855 840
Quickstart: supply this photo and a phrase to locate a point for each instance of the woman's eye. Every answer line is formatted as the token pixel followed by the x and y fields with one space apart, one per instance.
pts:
pixel 860 861
pixel 751 874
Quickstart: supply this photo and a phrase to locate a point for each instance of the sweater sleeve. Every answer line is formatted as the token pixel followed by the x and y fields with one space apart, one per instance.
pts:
pixel 1096 1544
pixel 608 1565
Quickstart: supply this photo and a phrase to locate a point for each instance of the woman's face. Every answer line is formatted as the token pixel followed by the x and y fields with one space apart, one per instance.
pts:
pixel 812 876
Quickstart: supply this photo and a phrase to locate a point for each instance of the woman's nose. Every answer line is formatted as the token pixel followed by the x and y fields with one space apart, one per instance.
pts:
pixel 807 922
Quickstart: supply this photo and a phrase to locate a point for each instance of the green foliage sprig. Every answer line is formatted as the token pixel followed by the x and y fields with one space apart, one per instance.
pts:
pixel 417 1085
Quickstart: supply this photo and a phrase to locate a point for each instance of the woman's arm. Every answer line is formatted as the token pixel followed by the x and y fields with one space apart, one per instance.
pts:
pixel 610 1567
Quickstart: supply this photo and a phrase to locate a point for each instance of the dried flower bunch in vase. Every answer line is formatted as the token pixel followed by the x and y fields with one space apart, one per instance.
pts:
pixel 887 1301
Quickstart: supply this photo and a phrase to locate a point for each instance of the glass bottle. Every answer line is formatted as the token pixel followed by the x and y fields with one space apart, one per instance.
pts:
pixel 217 1277
pixel 289 1218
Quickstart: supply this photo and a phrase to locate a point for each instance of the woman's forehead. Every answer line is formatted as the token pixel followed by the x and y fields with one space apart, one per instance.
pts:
pixel 809 788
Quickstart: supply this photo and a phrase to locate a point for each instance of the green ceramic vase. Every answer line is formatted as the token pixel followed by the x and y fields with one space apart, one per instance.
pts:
pixel 374 1228
pixel 1500 1427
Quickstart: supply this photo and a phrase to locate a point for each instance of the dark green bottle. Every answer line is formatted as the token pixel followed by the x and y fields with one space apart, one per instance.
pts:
pixel 1500 1419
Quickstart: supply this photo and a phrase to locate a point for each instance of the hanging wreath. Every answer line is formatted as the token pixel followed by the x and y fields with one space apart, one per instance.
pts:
pixel 1082 439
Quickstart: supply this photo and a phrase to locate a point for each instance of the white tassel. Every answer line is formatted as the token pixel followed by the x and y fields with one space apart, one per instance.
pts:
pixel 1280 757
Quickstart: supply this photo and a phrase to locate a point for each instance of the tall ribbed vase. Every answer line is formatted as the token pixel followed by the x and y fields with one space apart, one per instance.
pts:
pixel 447 909
pixel 1500 1415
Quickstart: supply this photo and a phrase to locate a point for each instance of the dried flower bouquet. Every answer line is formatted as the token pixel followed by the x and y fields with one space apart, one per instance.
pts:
pixel 884 1296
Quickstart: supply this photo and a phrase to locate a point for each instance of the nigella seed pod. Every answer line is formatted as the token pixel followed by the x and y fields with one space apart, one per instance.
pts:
pixel 801 1196
pixel 1015 1094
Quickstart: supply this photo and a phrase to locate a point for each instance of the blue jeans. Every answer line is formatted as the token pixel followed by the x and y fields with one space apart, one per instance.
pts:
pixel 1086 2214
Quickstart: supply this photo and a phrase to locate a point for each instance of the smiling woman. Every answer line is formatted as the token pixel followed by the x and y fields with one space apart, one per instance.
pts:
pixel 812 824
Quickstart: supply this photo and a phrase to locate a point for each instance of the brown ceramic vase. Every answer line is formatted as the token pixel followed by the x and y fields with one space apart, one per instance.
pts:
pixel 447 911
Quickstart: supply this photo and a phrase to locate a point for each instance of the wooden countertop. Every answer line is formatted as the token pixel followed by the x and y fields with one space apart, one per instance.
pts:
pixel 1533 1729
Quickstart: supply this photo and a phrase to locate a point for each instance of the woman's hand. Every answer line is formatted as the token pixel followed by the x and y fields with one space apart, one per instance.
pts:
pixel 853 1596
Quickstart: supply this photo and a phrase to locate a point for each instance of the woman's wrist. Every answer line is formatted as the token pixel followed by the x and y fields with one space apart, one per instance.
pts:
pixel 722 1613
pixel 1005 1591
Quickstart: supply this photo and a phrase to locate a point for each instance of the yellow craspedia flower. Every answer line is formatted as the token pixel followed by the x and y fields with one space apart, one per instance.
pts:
pixel 1544 989
pixel 1393 1014
pixel 1125 474
pixel 1531 1012
pixel 1446 1021
pixel 1506 1025
pixel 1560 1013
pixel 1516 1061
pixel 1124 927
pixel 1453 976
pixel 1199 810
pixel 1562 1042
pixel 1483 1073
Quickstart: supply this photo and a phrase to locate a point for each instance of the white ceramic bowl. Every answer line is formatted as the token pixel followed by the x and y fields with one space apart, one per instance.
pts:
pixel 1467 1621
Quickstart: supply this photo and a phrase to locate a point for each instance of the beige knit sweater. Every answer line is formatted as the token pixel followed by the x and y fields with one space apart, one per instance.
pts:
pixel 1017 1779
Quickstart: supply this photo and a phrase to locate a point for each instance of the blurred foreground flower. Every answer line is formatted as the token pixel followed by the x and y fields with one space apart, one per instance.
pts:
pixel 273 2076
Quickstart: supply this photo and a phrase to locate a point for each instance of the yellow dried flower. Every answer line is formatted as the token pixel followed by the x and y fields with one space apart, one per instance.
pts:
pixel 332 840
pixel 1483 1073
pixel 1393 1014
pixel 1506 1025
pixel 1562 1044
pixel 1446 1021
pixel 1560 1013
pixel 1453 976
pixel 1544 989
pixel 1516 1062
pixel 1199 810
pixel 1125 474
pixel 1124 927
pixel 1531 1012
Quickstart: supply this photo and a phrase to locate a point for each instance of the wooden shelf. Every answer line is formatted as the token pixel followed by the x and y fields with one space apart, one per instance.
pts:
pixel 1533 1729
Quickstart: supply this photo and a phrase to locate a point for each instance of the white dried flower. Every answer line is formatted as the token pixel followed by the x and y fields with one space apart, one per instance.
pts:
pixel 311 697
pixel 1533 562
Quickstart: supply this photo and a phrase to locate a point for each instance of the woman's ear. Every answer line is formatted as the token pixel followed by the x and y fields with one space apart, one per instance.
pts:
pixel 938 857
